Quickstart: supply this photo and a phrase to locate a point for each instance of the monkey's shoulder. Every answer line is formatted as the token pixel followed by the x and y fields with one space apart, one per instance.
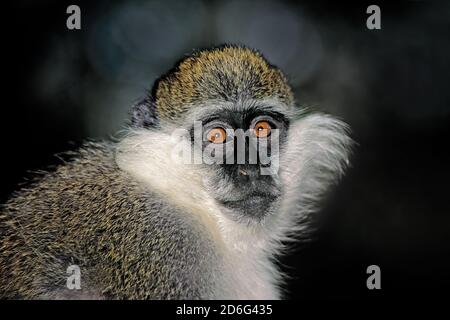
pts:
pixel 90 187
pixel 91 213
pixel 86 174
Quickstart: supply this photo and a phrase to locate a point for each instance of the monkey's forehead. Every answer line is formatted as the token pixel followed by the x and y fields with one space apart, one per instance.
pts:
pixel 227 73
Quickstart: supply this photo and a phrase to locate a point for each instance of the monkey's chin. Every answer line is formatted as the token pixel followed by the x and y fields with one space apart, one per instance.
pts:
pixel 255 206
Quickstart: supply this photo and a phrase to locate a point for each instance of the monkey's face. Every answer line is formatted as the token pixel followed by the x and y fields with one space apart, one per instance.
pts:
pixel 235 108
pixel 240 144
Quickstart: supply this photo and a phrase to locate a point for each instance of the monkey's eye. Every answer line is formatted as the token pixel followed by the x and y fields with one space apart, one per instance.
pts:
pixel 216 135
pixel 262 129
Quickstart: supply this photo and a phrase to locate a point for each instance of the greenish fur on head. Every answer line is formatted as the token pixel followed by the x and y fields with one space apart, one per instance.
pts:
pixel 228 73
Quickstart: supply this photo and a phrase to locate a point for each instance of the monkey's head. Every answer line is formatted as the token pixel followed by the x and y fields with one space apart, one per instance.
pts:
pixel 237 110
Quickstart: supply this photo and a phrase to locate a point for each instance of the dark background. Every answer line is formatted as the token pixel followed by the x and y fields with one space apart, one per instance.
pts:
pixel 390 85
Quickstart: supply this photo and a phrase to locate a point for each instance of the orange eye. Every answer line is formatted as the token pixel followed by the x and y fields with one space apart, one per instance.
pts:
pixel 216 135
pixel 262 129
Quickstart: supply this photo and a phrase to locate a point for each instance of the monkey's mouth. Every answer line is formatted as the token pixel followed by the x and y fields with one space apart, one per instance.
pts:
pixel 256 203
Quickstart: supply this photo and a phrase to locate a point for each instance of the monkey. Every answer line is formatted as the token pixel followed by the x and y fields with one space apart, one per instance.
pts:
pixel 141 224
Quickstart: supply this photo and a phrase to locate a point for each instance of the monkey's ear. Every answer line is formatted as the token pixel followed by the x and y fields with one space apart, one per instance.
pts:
pixel 144 114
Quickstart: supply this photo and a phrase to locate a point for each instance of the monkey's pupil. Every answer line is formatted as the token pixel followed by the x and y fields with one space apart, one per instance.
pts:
pixel 216 136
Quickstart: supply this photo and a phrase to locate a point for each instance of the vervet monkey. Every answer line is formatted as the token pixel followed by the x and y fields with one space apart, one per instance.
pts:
pixel 141 224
